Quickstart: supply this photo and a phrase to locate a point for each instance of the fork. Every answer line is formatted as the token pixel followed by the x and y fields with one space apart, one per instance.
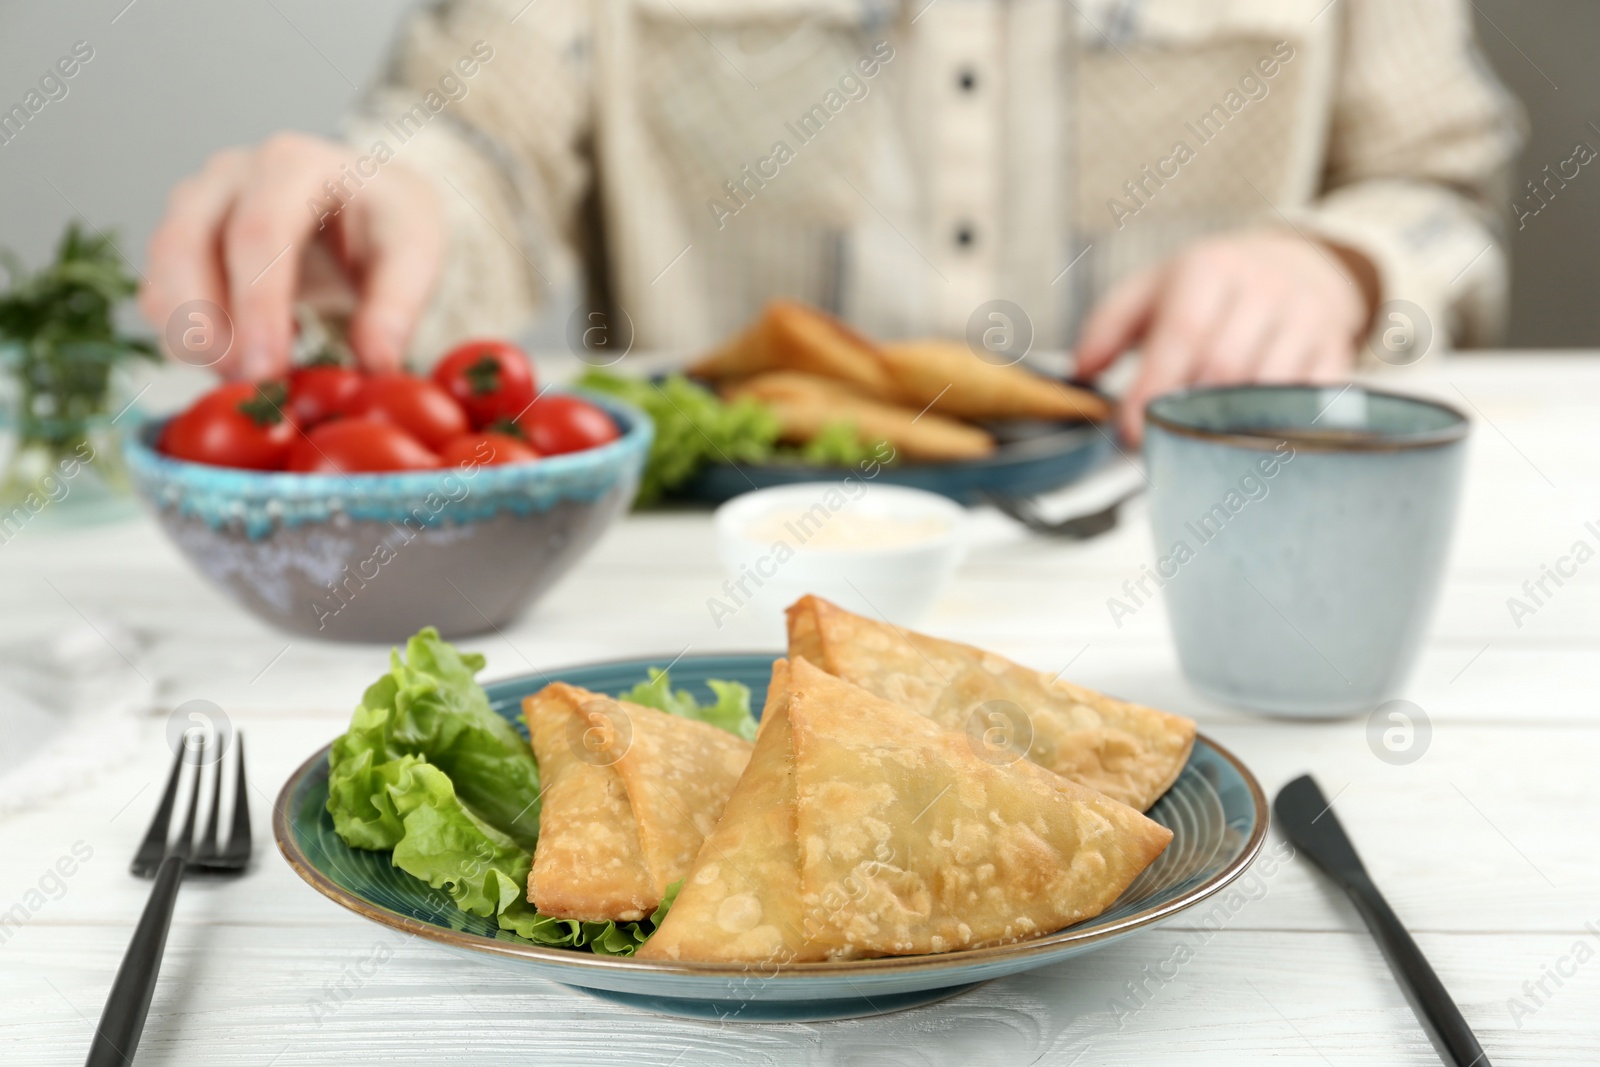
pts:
pixel 122 1022
pixel 1075 528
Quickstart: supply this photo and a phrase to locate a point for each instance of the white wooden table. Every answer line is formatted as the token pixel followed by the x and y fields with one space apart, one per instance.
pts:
pixel 1486 846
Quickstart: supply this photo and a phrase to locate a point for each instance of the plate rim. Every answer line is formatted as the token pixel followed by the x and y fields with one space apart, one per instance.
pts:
pixel 301 864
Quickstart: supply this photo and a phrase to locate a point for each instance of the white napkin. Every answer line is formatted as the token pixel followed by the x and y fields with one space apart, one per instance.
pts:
pixel 69 707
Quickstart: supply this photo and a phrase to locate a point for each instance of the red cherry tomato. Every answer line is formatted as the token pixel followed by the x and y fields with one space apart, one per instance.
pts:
pixel 556 424
pixel 353 446
pixel 414 404
pixel 491 380
pixel 486 450
pixel 320 392
pixel 237 425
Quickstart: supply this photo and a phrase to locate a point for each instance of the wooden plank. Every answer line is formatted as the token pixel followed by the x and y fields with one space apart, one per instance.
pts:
pixel 337 996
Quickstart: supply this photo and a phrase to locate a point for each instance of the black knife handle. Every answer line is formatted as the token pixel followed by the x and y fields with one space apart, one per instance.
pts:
pixel 1451 1036
pixel 122 1022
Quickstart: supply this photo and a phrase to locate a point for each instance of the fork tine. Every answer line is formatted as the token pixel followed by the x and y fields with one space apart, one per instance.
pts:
pixel 206 849
pixel 238 851
pixel 154 846
pixel 185 844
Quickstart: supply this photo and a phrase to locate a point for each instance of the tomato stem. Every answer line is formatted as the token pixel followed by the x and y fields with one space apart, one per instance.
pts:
pixel 483 375
pixel 265 407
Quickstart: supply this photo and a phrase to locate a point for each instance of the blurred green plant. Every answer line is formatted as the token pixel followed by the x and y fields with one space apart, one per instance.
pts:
pixel 59 343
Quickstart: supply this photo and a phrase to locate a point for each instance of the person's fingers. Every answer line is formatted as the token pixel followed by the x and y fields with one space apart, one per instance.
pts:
pixel 182 264
pixel 1333 361
pixel 1292 350
pixel 263 240
pixel 1117 321
pixel 1187 314
pixel 1238 345
pixel 326 286
pixel 404 240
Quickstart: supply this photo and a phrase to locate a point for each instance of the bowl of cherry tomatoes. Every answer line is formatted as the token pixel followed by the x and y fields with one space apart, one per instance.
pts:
pixel 362 507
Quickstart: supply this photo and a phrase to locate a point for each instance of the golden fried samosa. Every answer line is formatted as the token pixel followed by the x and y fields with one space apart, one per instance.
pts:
pixel 1129 752
pixel 794 336
pixel 946 377
pixel 913 840
pixel 861 828
pixel 806 404
pixel 629 795
pixel 741 900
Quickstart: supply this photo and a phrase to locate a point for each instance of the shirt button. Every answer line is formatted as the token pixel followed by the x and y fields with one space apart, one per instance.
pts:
pixel 967 79
pixel 965 237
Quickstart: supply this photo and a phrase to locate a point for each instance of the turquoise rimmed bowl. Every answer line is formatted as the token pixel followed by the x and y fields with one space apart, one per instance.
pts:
pixel 1216 810
pixel 376 557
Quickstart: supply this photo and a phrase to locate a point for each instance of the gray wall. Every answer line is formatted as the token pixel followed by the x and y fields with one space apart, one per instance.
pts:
pixel 170 81
pixel 173 79
pixel 1544 50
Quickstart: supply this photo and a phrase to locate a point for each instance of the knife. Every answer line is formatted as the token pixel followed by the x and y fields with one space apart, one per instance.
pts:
pixel 1307 819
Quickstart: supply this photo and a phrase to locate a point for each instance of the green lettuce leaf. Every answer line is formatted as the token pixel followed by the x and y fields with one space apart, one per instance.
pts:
pixel 430 706
pixel 430 772
pixel 485 873
pixel 445 845
pixel 840 444
pixel 731 712
pixel 693 427
pixel 606 939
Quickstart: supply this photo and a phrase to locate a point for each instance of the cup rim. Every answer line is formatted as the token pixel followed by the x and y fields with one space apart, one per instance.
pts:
pixel 1311 441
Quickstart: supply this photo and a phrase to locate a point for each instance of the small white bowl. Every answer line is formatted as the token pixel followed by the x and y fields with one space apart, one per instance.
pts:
pixel 884 551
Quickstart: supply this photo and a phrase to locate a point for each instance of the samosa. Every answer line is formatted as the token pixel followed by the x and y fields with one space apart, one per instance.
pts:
pixel 629 796
pixel 741 900
pixel 793 336
pixel 947 377
pixel 904 840
pixel 1129 752
pixel 806 404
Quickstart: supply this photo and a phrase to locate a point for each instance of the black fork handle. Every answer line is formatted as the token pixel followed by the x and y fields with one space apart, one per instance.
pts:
pixel 122 1022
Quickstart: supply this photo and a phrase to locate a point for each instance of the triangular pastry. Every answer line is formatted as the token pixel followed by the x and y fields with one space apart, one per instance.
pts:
pixel 793 336
pixel 741 900
pixel 946 377
pixel 629 795
pixel 1127 751
pixel 806 404
pixel 861 828
pixel 912 841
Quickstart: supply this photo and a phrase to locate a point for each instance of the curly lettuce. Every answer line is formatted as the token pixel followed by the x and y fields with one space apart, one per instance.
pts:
pixel 429 771
pixel 430 707
pixel 694 427
pixel 485 872
pixel 731 712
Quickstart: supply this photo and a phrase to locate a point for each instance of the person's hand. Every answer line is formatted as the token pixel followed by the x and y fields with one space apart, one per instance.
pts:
pixel 1255 307
pixel 257 229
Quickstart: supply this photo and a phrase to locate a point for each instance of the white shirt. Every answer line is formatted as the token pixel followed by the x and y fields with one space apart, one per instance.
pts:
pixel 904 165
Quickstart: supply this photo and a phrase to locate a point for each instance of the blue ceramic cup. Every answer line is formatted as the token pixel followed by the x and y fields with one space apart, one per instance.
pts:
pixel 1300 537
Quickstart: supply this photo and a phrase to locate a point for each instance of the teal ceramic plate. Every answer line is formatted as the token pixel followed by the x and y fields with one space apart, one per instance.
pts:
pixel 1216 811
pixel 1033 458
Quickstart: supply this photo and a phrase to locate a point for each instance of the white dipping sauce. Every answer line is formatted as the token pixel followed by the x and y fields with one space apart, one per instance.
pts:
pixel 844 529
